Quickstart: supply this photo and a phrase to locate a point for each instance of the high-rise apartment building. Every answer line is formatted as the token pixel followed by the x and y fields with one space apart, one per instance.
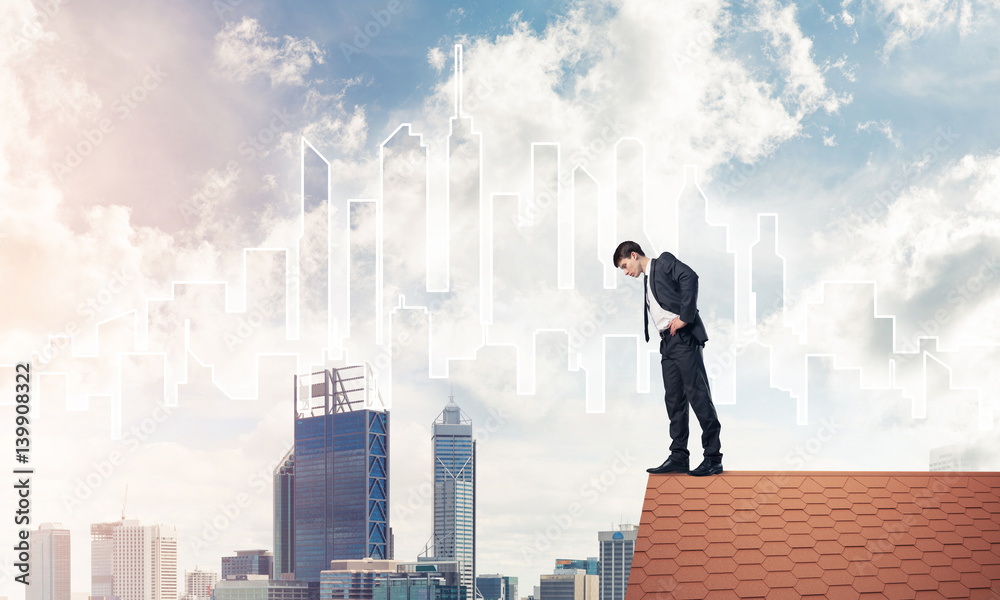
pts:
pixel 198 584
pixel 341 480
pixel 617 548
pixel 139 560
pixel 49 565
pixel 455 492
pixel 101 556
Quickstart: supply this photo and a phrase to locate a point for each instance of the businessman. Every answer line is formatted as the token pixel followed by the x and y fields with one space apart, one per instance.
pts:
pixel 671 292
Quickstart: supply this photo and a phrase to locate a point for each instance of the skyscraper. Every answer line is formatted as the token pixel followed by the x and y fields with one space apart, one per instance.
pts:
pixel 617 548
pixel 341 481
pixel 49 564
pixel 284 526
pixel 455 492
pixel 143 561
pixel 101 558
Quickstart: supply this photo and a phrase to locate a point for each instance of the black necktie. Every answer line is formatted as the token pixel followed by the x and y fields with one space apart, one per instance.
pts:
pixel 645 312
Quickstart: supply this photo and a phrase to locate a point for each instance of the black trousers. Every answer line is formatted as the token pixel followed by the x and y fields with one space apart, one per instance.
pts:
pixel 686 383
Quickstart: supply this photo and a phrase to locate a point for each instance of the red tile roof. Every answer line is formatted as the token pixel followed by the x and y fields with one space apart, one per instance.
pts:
pixel 819 535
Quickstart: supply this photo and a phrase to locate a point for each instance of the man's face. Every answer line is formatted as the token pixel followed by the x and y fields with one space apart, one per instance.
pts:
pixel 631 265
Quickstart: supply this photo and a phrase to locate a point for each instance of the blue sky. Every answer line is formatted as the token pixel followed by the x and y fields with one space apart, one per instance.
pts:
pixel 155 144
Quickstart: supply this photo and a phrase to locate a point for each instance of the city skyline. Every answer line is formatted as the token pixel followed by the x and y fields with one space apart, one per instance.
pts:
pixel 205 199
pixel 140 561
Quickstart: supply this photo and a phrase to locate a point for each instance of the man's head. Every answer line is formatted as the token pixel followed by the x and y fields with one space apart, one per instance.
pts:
pixel 629 258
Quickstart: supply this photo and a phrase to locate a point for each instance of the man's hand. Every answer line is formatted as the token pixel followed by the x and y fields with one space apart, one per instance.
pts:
pixel 675 325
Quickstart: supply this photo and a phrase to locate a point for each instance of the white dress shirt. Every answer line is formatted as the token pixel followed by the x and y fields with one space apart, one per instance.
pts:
pixel 661 318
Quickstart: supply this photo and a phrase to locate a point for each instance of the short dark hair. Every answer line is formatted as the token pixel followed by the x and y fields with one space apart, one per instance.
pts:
pixel 625 250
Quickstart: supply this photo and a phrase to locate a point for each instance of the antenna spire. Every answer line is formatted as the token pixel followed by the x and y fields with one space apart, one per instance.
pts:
pixel 458 80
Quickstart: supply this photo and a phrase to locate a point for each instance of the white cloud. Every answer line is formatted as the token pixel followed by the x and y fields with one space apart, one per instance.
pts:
pixel 905 21
pixel 884 127
pixel 805 85
pixel 841 64
pixel 436 58
pixel 927 235
pixel 243 50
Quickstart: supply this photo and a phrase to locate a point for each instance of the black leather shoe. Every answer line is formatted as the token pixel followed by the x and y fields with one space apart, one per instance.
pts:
pixel 670 466
pixel 707 467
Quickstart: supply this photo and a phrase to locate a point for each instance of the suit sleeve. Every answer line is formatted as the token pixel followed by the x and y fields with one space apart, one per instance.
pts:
pixel 687 283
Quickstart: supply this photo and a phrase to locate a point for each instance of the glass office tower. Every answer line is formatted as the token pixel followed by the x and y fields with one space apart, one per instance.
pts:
pixel 455 492
pixel 341 481
pixel 284 504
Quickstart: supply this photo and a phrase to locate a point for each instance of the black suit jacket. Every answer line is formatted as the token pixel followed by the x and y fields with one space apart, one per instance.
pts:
pixel 675 288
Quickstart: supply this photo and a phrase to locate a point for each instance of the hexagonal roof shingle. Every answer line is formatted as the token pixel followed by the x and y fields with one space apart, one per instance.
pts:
pixel 819 535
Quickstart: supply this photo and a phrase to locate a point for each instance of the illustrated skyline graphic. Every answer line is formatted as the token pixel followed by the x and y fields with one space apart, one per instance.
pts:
pixel 364 268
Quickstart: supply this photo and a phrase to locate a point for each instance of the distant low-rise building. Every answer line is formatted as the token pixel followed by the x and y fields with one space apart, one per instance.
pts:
pixel 575 586
pixel 259 587
pixel 497 587
pixel 198 584
pixel 248 562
